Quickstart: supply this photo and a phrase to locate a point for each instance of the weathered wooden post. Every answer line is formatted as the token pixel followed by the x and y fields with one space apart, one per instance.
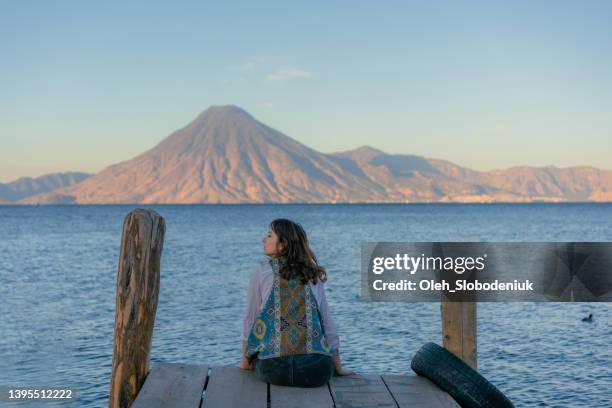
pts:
pixel 136 303
pixel 459 330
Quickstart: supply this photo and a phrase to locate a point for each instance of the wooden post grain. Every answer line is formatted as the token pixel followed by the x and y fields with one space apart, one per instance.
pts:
pixel 459 330
pixel 136 303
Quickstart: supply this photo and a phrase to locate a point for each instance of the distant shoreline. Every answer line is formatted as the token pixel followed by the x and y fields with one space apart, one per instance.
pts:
pixel 319 204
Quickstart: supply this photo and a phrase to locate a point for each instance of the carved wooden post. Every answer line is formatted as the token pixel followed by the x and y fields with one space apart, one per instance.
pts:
pixel 459 330
pixel 136 303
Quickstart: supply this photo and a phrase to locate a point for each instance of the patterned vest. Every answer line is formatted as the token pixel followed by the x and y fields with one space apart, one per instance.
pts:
pixel 289 323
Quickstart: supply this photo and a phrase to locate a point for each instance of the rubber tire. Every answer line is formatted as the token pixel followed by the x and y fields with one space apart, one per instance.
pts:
pixel 462 382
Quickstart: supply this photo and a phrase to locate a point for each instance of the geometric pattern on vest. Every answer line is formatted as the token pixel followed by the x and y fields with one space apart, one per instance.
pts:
pixel 289 322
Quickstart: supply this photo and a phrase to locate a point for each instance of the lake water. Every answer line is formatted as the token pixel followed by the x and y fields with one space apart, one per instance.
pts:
pixel 58 267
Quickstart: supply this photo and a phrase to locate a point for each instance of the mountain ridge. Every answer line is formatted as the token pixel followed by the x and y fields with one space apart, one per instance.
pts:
pixel 225 155
pixel 25 187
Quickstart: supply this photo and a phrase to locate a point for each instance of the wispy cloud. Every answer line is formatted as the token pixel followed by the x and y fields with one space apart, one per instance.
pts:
pixel 265 104
pixel 288 74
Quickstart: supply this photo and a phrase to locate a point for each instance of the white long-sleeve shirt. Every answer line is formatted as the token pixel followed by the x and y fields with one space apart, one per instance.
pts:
pixel 260 285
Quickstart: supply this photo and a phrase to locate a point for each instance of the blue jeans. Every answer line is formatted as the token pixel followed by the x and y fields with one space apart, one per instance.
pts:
pixel 300 370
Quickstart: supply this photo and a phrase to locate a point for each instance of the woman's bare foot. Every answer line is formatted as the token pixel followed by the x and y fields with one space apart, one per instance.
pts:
pixel 344 371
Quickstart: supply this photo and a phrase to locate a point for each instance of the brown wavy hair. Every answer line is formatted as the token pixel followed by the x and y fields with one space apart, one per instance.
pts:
pixel 297 259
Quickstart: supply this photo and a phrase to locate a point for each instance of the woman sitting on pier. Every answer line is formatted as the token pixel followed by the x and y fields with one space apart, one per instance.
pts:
pixel 289 335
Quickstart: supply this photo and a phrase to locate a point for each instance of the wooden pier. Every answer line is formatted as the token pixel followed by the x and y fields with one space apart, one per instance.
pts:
pixel 202 386
pixel 195 386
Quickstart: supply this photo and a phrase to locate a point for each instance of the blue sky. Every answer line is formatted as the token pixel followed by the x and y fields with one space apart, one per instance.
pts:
pixel 483 84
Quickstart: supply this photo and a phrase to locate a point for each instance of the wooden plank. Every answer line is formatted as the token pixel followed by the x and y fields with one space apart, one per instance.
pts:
pixel 295 397
pixel 416 391
pixel 137 292
pixel 231 387
pixel 459 330
pixel 172 385
pixel 361 391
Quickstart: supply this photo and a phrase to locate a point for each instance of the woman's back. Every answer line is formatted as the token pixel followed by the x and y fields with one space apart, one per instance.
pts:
pixel 288 333
pixel 289 323
pixel 261 284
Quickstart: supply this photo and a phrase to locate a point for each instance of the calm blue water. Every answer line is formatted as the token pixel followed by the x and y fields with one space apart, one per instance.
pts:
pixel 58 268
